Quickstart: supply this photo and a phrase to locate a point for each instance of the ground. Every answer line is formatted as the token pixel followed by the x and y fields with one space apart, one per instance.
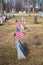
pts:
pixel 33 38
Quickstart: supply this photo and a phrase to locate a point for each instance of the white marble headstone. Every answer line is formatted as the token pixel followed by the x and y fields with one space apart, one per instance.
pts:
pixel 22 27
pixel 1 20
pixel 40 13
pixel 19 51
pixel 4 17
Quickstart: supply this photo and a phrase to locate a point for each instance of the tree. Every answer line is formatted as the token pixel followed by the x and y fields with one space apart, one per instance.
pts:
pixel 8 6
pixel 2 6
pixel 34 4
pixel 18 6
pixel 28 7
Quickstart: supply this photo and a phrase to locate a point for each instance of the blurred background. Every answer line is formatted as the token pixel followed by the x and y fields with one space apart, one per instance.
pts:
pixel 21 5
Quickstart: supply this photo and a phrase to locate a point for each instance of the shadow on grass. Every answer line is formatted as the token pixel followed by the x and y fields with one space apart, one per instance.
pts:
pixel 25 27
pixel 27 50
pixel 37 22
pixel 1 24
pixel 38 43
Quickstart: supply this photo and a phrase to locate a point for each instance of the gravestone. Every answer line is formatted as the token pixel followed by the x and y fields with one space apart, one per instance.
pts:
pixel 22 27
pixel 40 13
pixel 4 12
pixel 22 14
pixel 1 21
pixel 20 49
pixel 35 19
pixel 7 16
pixel 4 18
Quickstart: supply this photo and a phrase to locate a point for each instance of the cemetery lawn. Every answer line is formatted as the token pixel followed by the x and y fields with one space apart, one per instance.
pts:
pixel 33 38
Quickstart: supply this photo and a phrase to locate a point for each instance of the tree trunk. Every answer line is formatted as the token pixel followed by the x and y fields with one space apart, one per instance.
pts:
pixel 28 7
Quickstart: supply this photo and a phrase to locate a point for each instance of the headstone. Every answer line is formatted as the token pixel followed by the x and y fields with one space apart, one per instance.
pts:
pixel 22 16
pixel 19 33
pixel 1 21
pixel 20 49
pixel 22 27
pixel 40 13
pixel 12 11
pixel 7 16
pixel 4 12
pixel 11 14
pixel 24 12
pixel 4 17
pixel 35 19
pixel 19 12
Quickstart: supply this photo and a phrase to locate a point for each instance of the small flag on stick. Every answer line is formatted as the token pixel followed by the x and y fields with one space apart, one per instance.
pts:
pixel 24 20
pixel 17 24
pixel 19 33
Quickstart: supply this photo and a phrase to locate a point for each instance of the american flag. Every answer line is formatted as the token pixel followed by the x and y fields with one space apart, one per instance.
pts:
pixel 24 20
pixel 19 33
pixel 17 24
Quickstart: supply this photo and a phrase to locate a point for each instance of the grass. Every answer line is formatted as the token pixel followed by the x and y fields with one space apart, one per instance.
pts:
pixel 8 53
